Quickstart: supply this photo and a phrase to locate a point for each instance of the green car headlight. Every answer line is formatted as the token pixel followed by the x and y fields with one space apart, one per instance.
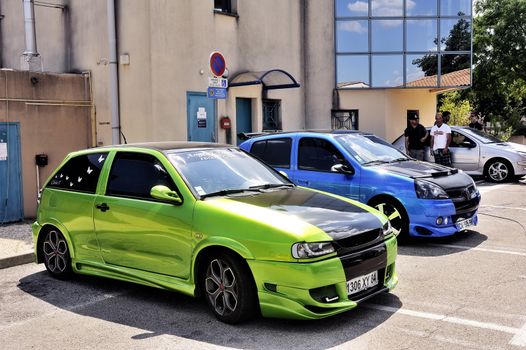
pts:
pixel 428 190
pixel 307 250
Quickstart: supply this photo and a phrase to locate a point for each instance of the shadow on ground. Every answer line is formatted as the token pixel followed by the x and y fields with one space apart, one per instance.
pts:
pixel 158 312
pixel 422 246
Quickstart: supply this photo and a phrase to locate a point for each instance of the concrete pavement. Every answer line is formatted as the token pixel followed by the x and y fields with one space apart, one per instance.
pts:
pixel 16 244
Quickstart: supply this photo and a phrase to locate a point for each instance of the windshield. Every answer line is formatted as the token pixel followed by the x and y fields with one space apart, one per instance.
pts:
pixel 211 171
pixel 367 151
pixel 482 136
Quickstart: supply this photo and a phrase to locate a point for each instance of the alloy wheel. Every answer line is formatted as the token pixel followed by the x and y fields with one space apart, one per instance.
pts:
pixel 56 253
pixel 498 171
pixel 221 287
pixel 394 216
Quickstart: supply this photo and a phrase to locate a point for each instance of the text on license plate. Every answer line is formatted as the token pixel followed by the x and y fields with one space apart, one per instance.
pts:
pixel 362 283
pixel 464 224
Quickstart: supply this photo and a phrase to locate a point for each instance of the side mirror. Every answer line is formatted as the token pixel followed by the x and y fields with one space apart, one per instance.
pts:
pixel 165 194
pixel 343 168
pixel 284 174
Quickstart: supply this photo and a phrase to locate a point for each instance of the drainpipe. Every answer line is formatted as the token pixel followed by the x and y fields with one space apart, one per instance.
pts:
pixel 30 59
pixel 114 77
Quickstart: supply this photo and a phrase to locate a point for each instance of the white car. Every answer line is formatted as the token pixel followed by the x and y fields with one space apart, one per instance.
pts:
pixel 478 153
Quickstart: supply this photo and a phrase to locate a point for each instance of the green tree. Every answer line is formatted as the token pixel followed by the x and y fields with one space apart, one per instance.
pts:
pixel 459 107
pixel 459 39
pixel 499 76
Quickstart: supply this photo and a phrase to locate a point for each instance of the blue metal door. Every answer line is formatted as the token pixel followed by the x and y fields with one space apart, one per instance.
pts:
pixel 201 117
pixel 243 116
pixel 10 174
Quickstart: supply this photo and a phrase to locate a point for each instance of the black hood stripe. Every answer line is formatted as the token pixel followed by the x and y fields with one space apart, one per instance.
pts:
pixel 338 218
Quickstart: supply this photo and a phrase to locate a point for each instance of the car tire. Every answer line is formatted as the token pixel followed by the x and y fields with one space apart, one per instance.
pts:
pixel 228 287
pixel 56 254
pixel 499 171
pixel 396 214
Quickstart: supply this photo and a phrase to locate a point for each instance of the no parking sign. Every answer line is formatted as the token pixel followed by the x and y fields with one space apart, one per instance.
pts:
pixel 217 63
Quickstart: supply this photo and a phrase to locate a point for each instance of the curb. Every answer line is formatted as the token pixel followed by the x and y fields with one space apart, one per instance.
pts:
pixel 17 260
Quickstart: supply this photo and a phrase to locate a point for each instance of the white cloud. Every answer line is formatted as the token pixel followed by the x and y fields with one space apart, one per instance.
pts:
pixel 353 27
pixel 390 7
pixel 358 6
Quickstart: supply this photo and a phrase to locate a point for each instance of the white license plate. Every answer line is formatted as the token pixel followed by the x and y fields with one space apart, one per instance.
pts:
pixel 362 283
pixel 464 224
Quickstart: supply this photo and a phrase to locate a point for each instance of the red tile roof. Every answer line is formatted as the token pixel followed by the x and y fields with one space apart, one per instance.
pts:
pixel 459 78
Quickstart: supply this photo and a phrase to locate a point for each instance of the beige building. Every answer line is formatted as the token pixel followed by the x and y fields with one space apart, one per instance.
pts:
pixel 162 58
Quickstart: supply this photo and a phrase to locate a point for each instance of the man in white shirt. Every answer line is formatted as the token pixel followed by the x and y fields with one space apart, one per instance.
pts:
pixel 440 140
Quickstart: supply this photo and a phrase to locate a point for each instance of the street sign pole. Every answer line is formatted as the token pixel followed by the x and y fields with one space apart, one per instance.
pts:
pixel 217 85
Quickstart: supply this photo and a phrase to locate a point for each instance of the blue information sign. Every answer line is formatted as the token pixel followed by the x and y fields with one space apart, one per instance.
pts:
pixel 217 93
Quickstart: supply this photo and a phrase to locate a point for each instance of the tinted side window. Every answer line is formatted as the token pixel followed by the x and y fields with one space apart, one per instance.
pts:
pixel 275 152
pixel 134 175
pixel 80 173
pixel 318 155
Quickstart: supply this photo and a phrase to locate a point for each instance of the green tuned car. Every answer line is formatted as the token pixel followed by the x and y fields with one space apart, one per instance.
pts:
pixel 210 220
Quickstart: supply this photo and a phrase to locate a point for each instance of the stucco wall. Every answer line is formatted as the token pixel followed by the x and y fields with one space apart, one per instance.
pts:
pixel 400 101
pixel 384 112
pixel 51 119
pixel 319 58
pixel 371 106
pixel 52 41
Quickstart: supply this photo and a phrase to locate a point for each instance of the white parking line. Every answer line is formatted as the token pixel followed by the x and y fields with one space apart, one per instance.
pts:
pixel 519 338
pixel 463 247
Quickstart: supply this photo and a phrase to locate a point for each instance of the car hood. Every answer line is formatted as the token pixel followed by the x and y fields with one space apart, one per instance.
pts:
pixel 336 217
pixel 441 175
pixel 509 146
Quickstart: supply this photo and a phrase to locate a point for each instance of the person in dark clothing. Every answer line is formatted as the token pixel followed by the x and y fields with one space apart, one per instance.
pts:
pixel 474 122
pixel 415 136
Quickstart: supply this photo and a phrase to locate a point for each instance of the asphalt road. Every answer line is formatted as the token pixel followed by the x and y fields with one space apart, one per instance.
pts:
pixel 465 292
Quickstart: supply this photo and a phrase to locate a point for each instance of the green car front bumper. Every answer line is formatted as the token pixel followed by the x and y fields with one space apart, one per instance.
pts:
pixel 314 290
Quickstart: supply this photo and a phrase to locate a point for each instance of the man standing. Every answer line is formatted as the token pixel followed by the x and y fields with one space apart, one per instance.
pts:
pixel 415 136
pixel 440 140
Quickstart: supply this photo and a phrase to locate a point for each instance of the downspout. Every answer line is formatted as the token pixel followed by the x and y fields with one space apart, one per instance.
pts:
pixel 114 74
pixel 30 59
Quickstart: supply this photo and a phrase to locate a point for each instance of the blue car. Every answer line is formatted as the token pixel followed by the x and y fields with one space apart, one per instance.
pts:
pixel 419 198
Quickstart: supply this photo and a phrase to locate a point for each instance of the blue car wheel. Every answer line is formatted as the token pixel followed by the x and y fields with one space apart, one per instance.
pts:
pixel 396 214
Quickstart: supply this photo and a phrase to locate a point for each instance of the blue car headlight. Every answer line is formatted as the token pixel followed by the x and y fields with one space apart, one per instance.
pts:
pixel 428 190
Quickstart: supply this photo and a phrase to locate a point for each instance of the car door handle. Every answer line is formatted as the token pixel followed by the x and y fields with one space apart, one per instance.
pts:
pixel 303 182
pixel 102 207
